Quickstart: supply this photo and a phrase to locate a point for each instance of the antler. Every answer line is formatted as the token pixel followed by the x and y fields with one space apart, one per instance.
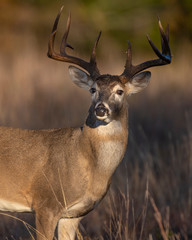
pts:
pixel 90 67
pixel 164 57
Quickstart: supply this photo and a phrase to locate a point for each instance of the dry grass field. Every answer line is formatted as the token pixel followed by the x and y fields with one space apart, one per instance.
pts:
pixel 151 192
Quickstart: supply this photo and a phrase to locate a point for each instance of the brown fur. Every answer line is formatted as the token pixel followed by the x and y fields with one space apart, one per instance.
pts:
pixel 47 170
pixel 64 173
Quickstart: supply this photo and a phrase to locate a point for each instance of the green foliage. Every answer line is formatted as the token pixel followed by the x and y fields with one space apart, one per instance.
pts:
pixel 34 2
pixel 124 20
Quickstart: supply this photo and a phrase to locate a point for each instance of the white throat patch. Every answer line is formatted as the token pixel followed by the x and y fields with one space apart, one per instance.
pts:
pixel 110 151
pixel 112 128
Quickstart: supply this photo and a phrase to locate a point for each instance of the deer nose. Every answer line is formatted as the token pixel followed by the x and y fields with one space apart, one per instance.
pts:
pixel 101 110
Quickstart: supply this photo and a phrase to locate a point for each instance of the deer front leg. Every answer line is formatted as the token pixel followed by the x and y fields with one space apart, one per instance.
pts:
pixel 45 225
pixel 67 228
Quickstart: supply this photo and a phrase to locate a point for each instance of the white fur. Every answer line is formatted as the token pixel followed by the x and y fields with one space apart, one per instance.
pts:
pixel 13 207
pixel 76 206
pixel 117 96
pixel 114 127
pixel 67 228
pixel 117 87
pixel 110 154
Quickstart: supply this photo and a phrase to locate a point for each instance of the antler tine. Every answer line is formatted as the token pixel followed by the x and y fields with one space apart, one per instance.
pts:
pixel 51 51
pixel 155 49
pixel 167 32
pixel 161 31
pixel 164 56
pixel 164 39
pixel 64 43
pixel 90 67
pixel 128 65
pixel 129 55
pixel 93 54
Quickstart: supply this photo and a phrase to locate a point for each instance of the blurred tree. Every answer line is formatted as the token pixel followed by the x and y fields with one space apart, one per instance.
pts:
pixel 120 20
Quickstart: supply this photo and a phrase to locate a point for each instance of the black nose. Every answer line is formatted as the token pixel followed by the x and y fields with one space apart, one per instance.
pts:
pixel 101 110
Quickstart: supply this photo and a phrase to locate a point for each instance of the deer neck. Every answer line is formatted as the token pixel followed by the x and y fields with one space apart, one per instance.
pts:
pixel 106 143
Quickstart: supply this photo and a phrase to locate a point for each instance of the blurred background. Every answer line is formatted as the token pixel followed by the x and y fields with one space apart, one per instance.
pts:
pixel 36 92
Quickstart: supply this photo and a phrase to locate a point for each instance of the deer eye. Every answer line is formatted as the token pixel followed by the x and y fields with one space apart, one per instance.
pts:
pixel 119 92
pixel 92 90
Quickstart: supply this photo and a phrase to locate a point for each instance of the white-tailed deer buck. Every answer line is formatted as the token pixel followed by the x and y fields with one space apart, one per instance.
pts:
pixel 62 174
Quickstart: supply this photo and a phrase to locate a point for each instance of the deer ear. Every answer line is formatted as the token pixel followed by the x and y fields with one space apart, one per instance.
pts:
pixel 138 82
pixel 80 78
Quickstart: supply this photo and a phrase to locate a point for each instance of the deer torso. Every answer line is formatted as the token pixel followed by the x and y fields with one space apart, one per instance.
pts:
pixel 47 162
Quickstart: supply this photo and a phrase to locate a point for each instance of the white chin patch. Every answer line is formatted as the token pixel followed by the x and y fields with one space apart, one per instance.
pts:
pixel 101 118
pixel 104 118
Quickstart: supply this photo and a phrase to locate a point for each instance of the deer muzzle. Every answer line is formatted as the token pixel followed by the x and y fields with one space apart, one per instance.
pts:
pixel 101 111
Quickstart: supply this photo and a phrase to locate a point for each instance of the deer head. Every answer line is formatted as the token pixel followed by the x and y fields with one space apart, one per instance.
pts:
pixel 109 92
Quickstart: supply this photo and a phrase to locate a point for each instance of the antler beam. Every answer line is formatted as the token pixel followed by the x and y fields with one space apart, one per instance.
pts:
pixel 90 67
pixel 164 57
